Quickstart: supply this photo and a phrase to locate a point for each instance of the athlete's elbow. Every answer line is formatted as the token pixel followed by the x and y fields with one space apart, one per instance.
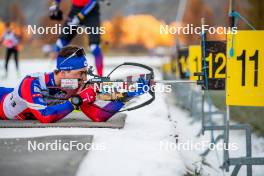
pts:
pixel 98 119
pixel 45 120
pixel 103 117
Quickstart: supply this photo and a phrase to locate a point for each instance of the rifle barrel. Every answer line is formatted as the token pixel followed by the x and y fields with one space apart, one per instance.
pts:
pixel 174 81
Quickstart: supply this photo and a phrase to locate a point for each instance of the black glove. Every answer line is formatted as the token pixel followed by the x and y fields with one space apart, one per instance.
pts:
pixel 55 13
pixel 76 101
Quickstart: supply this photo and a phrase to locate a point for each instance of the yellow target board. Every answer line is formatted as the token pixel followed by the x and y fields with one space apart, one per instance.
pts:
pixel 166 68
pixel 245 69
pixel 195 60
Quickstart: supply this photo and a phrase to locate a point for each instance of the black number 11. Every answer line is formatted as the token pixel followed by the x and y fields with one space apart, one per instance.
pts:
pixel 254 58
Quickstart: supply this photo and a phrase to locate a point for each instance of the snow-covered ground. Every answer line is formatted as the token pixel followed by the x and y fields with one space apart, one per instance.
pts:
pixel 146 145
pixel 187 130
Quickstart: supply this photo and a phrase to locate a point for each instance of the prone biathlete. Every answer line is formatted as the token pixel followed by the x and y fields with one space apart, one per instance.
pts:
pixel 31 99
pixel 83 12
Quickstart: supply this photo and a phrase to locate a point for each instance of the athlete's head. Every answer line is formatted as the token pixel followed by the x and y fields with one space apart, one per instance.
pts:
pixel 71 64
pixel 7 26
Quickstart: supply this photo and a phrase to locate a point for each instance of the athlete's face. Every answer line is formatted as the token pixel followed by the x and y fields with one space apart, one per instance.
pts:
pixel 8 29
pixel 80 74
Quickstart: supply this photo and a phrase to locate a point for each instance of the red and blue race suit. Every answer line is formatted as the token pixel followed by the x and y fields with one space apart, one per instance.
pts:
pixel 27 101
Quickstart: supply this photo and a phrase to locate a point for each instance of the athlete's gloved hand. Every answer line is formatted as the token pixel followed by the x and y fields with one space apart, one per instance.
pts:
pixel 142 87
pixel 76 20
pixel 54 12
pixel 86 96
